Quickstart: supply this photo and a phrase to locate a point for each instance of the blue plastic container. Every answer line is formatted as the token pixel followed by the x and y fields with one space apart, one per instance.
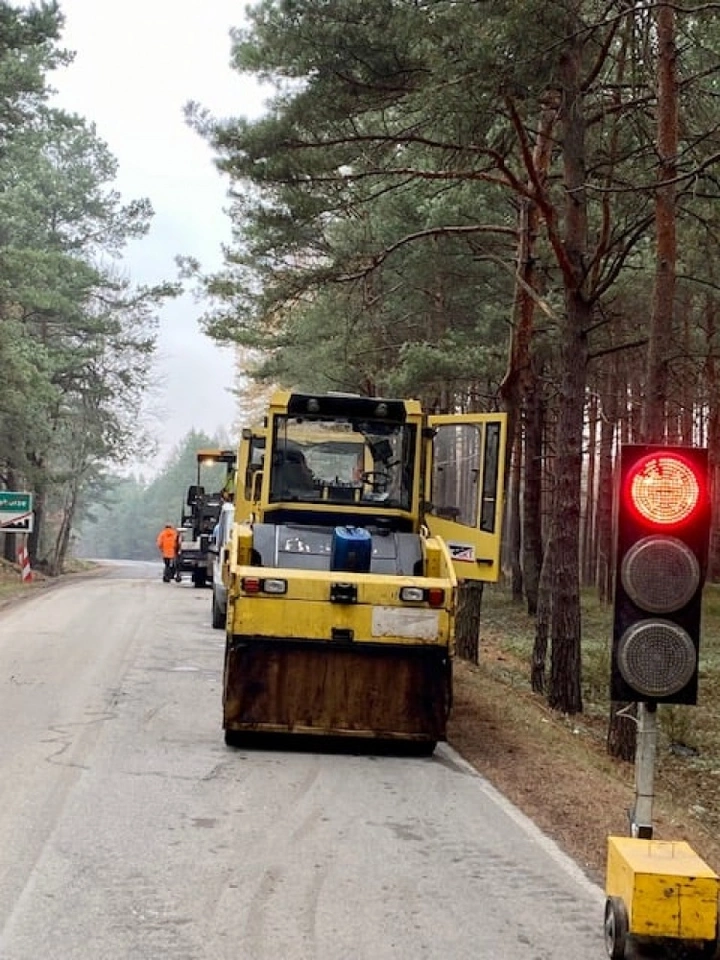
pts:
pixel 351 549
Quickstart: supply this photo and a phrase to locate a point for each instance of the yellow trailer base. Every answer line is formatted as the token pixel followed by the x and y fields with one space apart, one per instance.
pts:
pixel 659 889
pixel 378 691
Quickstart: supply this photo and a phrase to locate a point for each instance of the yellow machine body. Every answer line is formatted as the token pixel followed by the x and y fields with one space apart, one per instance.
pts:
pixel 306 611
pixel 667 889
pixel 341 594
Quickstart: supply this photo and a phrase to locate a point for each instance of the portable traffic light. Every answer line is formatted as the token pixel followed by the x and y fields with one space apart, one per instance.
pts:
pixel 662 533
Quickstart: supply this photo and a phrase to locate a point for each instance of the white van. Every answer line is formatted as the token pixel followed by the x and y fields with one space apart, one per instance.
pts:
pixel 221 539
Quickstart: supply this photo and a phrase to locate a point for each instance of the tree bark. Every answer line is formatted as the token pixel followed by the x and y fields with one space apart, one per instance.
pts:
pixel 514 530
pixel 565 689
pixel 520 389
pixel 660 341
pixel 532 506
pixel 467 623
pixel 538 664
pixel 591 496
pixel 713 434
pixel 604 513
pixel 9 545
pixel 621 734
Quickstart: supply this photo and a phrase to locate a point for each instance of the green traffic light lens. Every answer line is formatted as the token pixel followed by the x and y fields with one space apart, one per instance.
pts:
pixel 664 489
pixel 657 658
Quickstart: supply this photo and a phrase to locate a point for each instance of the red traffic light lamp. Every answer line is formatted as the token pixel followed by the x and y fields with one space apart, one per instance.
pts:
pixel 663 520
pixel 663 488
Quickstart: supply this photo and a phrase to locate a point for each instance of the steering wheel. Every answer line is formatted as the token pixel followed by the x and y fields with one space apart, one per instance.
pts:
pixel 377 479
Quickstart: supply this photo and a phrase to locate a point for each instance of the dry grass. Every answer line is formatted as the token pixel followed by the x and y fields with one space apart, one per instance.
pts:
pixel 12 587
pixel 11 583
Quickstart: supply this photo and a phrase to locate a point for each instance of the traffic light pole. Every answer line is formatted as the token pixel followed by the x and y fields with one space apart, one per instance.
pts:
pixel 645 752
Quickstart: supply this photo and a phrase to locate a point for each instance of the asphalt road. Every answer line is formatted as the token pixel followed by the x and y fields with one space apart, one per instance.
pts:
pixel 128 831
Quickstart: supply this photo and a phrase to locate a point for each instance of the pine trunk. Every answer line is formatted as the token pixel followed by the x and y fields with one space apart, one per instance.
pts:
pixel 532 503
pixel 565 690
pixel 467 623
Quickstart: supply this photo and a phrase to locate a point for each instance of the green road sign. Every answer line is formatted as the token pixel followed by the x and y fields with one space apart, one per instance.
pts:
pixel 13 502
pixel 16 514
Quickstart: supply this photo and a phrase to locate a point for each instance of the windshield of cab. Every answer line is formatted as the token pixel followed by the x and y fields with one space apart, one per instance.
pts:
pixel 367 463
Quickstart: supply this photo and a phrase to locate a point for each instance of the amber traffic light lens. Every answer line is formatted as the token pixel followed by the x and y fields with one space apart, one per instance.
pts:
pixel 664 489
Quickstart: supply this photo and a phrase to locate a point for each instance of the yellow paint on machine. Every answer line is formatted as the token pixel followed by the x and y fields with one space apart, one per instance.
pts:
pixel 305 610
pixel 667 889
pixel 315 584
pixel 315 619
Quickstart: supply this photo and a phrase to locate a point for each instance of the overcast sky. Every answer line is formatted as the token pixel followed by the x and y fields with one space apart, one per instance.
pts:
pixel 137 63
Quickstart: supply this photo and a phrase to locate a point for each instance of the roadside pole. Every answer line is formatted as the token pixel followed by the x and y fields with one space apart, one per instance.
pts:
pixel 23 559
pixel 645 753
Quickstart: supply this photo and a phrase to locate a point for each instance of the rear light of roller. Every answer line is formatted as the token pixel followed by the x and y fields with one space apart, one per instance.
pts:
pixel 274 586
pixel 269 585
pixel 435 596
pixel 412 594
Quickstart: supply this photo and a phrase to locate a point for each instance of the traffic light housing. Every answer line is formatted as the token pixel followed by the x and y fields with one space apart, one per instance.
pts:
pixel 662 534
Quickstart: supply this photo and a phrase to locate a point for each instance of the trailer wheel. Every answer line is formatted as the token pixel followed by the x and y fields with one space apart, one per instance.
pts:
pixel 616 928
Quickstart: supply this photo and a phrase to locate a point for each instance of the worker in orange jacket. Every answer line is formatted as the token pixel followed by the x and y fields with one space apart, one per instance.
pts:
pixel 168 543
